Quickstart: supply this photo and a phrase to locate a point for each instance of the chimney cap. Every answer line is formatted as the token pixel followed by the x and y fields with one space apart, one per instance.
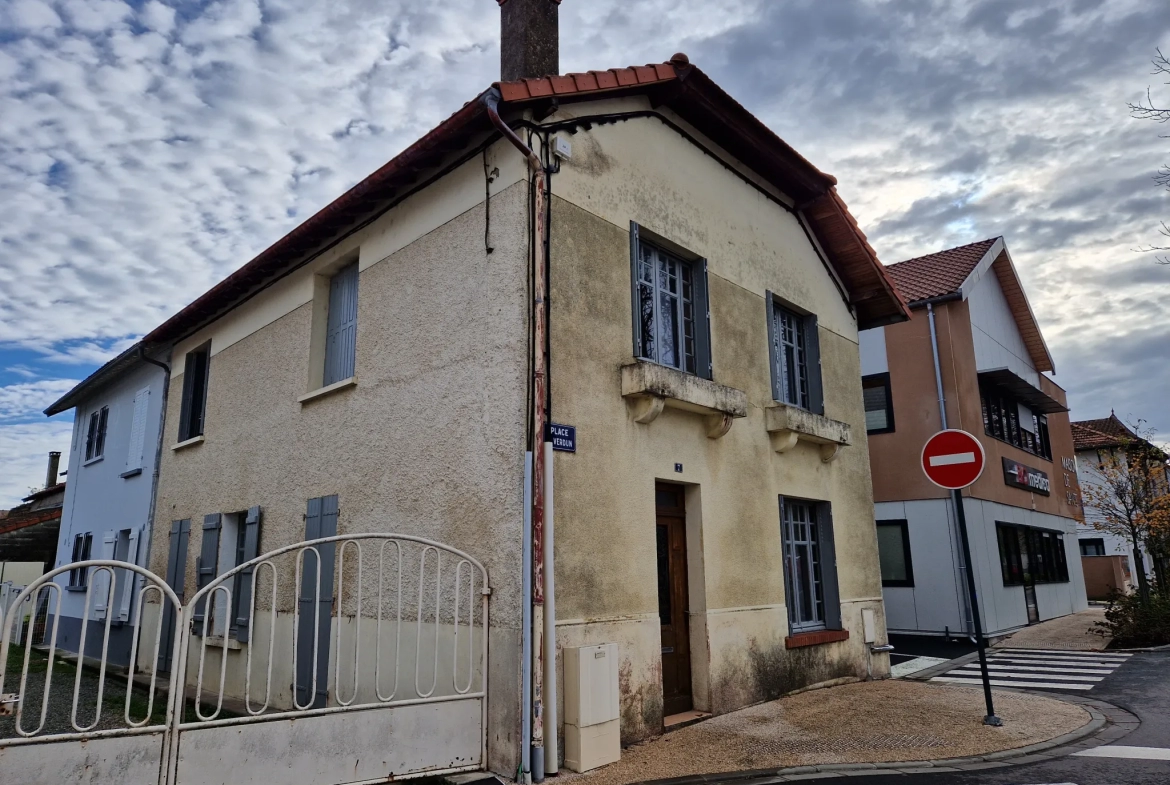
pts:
pixel 680 58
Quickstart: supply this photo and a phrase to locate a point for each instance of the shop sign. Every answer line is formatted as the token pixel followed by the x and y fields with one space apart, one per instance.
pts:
pixel 1018 475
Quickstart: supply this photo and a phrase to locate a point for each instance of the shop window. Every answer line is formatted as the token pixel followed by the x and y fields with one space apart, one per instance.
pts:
pixel 1029 555
pixel 894 553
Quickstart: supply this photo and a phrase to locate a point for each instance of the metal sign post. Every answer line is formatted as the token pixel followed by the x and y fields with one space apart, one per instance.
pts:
pixel 954 459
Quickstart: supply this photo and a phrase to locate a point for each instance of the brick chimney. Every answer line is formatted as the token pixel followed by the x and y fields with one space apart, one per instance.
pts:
pixel 529 39
pixel 54 465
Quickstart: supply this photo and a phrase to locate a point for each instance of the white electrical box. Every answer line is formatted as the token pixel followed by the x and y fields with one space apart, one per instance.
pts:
pixel 592 728
pixel 869 622
pixel 562 147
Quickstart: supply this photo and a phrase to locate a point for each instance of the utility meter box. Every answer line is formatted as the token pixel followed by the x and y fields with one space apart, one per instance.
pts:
pixel 592 728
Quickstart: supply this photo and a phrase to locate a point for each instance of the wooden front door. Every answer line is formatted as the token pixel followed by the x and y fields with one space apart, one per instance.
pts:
pixel 671 538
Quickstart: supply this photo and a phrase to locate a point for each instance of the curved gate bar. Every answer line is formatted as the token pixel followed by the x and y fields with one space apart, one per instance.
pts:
pixel 271 642
pixel 297 623
pixel 46 582
pixel 397 627
pixel 227 603
pixel 357 638
pixel 87 608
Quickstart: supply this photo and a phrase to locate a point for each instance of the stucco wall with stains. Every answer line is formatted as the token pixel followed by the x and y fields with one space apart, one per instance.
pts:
pixel 429 442
pixel 641 170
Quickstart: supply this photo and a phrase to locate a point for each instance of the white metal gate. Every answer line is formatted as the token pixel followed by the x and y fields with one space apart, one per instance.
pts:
pixel 402 649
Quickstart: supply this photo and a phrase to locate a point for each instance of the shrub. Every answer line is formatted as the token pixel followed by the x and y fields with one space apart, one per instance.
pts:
pixel 1133 623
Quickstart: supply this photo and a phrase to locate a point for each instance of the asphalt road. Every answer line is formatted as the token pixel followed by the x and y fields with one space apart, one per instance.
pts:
pixel 1141 686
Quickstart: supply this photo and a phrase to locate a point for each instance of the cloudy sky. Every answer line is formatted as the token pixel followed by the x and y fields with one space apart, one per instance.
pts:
pixel 148 148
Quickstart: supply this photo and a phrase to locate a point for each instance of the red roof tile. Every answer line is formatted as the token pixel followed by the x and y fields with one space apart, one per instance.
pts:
pixel 1097 434
pixel 692 96
pixel 939 273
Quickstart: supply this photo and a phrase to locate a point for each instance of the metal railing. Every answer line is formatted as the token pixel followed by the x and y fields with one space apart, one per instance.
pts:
pixel 404 620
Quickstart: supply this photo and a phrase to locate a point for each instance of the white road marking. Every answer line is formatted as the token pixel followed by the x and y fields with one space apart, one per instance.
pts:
pixel 1002 683
pixel 1022 674
pixel 995 665
pixel 952 459
pixel 1065 663
pixel 1071 652
pixel 1121 751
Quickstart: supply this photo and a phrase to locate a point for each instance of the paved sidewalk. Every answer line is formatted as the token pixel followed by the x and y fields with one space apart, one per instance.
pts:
pixel 1070 633
pixel 870 722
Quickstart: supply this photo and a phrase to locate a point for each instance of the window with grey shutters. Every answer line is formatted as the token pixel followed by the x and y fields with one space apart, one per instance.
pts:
pixel 795 352
pixel 206 567
pixel 671 313
pixel 810 565
pixel 194 404
pixel 341 325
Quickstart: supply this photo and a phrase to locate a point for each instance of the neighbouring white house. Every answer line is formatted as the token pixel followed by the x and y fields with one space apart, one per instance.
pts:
pixel 112 472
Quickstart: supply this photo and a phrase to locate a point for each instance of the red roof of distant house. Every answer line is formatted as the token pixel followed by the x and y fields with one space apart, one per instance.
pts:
pixel 938 274
pixel 676 85
pixel 1100 434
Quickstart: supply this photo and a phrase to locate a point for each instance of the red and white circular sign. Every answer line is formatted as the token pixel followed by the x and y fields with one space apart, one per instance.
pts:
pixel 953 459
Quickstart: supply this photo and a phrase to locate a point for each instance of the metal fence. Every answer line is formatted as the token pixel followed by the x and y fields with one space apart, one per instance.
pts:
pixel 356 657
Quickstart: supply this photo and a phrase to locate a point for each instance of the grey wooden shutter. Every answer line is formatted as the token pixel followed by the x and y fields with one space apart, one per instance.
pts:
pixel 102 584
pixel 320 521
pixel 341 325
pixel 251 551
pixel 812 353
pixel 207 565
pixel 703 363
pixel 635 301
pixel 829 584
pixel 138 430
pixel 176 579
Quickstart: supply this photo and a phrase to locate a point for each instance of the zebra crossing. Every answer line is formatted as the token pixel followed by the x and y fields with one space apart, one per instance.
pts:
pixel 1042 669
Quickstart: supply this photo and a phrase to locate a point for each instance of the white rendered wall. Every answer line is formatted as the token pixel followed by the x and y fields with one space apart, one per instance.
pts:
pixel 994 331
pixel 872 345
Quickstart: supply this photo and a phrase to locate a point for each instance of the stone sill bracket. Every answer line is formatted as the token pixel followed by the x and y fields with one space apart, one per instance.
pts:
pixel 650 388
pixel 789 424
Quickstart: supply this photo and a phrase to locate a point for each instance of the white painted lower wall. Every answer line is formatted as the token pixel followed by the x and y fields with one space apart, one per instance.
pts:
pixel 932 605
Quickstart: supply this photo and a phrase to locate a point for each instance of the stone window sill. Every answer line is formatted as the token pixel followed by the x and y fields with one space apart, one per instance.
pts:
pixel 789 424
pixel 188 443
pixel 328 389
pixel 217 641
pixel 651 387
pixel 815 638
pixel 131 473
pixel 93 460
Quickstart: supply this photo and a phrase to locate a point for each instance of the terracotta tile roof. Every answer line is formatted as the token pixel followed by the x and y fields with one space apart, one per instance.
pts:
pixel 939 273
pixel 1099 434
pixel 676 85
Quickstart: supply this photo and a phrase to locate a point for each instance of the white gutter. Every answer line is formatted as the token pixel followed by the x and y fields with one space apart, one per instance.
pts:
pixel 550 621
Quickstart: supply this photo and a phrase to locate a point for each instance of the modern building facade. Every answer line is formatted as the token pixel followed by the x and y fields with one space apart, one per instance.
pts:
pixel 975 348
pixel 372 372
pixel 113 463
pixel 1094 440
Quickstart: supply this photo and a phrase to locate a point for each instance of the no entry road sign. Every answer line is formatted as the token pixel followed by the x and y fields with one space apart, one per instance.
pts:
pixel 953 459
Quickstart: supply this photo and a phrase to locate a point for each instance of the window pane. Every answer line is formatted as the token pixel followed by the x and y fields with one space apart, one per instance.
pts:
pixel 663 538
pixel 892 552
pixel 876 403
pixel 792 370
pixel 802 567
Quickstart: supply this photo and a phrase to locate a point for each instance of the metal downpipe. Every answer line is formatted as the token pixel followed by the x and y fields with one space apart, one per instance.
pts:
pixel 491 101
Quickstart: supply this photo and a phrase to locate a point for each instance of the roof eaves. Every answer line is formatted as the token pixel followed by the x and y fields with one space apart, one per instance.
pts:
pixel 96 381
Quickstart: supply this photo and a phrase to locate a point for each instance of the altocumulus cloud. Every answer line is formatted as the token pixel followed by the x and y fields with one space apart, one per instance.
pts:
pixel 147 149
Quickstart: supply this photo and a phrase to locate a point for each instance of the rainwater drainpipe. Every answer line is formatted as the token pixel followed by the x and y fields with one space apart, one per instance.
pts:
pixel 525 776
pixel 540 646
pixel 942 413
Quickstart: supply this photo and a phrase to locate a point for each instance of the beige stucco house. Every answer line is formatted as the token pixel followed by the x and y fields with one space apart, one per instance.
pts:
pixel 372 371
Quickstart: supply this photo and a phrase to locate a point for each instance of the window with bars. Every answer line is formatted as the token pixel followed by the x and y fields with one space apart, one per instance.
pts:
pixel 1007 419
pixel 810 572
pixel 671 318
pixel 95 440
pixel 794 348
pixel 879 405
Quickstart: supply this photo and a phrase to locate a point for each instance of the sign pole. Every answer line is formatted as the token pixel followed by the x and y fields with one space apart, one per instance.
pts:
pixel 990 718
